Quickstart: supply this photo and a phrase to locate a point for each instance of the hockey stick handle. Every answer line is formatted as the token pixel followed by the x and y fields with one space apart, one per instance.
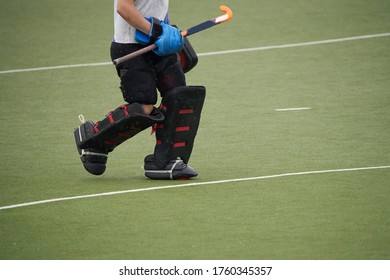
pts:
pixel 228 14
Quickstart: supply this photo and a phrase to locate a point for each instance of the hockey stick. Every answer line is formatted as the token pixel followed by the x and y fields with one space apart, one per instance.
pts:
pixel 228 14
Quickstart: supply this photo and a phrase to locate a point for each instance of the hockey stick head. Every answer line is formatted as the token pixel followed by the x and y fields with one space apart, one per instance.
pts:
pixel 228 14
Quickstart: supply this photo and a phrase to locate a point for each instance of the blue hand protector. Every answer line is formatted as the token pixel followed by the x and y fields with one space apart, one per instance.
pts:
pixel 170 41
pixel 141 37
pixel 155 32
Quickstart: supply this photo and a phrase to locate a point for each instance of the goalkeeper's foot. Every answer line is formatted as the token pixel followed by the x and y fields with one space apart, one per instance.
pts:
pixel 175 170
pixel 94 160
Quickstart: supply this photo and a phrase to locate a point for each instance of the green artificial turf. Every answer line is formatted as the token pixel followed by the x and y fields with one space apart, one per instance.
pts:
pixel 333 215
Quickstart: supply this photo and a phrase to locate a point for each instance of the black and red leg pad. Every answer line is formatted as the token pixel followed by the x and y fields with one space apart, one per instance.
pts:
pixel 119 125
pixel 175 136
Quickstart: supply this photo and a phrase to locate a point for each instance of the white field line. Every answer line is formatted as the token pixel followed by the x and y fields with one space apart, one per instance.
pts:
pixel 329 41
pixel 304 44
pixel 191 185
pixel 293 109
pixel 55 67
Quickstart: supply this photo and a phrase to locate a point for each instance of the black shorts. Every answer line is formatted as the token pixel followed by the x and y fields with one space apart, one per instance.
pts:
pixel 141 76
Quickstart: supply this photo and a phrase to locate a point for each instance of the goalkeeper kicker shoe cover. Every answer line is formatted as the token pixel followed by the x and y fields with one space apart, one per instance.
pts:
pixel 94 160
pixel 175 170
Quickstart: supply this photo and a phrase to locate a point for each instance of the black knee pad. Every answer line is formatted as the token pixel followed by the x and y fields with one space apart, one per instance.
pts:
pixel 170 74
pixel 138 86
pixel 175 136
pixel 120 125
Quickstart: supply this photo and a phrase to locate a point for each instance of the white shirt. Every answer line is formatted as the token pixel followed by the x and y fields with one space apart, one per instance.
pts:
pixel 123 32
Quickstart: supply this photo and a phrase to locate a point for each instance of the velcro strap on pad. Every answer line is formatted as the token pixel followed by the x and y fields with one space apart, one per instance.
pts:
pixel 156 31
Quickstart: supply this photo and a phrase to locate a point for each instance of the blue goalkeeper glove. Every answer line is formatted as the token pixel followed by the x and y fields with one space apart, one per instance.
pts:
pixel 167 38
pixel 170 41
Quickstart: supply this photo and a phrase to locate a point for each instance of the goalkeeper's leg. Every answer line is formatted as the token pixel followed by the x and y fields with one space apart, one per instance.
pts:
pixel 95 140
pixel 175 136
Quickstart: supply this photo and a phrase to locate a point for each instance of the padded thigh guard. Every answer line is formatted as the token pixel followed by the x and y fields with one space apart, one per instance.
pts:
pixel 187 56
pixel 119 125
pixel 175 136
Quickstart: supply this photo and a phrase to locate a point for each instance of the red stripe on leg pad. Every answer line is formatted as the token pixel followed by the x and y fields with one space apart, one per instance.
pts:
pixel 95 127
pixel 182 128
pixel 186 111
pixel 124 107
pixel 111 119
pixel 179 144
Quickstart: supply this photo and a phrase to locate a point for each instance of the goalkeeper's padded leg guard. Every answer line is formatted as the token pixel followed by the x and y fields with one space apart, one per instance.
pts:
pixel 95 140
pixel 120 125
pixel 175 136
